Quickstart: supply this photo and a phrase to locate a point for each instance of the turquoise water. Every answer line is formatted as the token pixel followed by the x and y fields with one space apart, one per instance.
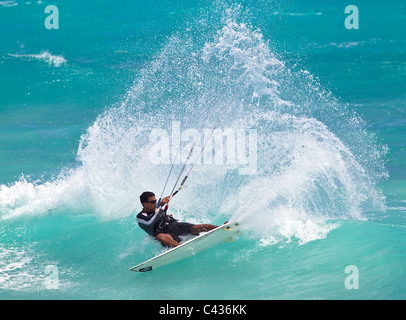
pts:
pixel 326 189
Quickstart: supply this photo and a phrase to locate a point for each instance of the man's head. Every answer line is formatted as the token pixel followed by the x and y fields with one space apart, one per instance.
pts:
pixel 148 201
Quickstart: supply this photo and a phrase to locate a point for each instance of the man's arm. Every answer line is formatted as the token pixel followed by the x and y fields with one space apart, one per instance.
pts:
pixel 165 200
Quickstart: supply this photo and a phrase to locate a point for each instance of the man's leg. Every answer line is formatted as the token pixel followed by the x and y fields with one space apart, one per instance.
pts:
pixel 197 228
pixel 167 240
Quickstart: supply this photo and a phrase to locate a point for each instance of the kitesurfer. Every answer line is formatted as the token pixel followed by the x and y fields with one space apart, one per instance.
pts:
pixel 154 221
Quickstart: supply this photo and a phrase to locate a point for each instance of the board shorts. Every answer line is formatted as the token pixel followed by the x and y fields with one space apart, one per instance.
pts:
pixel 176 229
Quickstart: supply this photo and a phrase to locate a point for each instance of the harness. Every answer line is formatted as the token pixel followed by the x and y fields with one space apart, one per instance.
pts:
pixel 154 223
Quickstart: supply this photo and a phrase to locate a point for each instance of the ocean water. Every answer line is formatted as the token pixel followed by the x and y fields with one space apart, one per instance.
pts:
pixel 92 114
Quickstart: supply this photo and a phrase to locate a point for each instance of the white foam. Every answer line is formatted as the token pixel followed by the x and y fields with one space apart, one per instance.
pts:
pixel 10 3
pixel 309 177
pixel 52 60
pixel 34 197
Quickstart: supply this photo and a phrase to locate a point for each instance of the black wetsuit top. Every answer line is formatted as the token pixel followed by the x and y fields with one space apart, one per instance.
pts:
pixel 151 222
pixel 157 222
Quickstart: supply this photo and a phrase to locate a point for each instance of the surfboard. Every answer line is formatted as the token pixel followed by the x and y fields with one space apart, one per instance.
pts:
pixel 204 241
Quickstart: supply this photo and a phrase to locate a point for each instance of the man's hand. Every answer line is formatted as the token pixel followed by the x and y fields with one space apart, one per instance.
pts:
pixel 165 200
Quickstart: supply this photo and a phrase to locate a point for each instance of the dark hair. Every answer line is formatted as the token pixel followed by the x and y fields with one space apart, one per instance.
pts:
pixel 145 195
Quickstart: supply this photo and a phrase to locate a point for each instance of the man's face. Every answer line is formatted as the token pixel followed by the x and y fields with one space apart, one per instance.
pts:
pixel 150 205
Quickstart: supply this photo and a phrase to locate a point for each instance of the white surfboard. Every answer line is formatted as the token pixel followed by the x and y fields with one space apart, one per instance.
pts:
pixel 205 241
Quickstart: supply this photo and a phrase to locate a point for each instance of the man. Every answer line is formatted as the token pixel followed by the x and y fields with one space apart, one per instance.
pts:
pixel 166 229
